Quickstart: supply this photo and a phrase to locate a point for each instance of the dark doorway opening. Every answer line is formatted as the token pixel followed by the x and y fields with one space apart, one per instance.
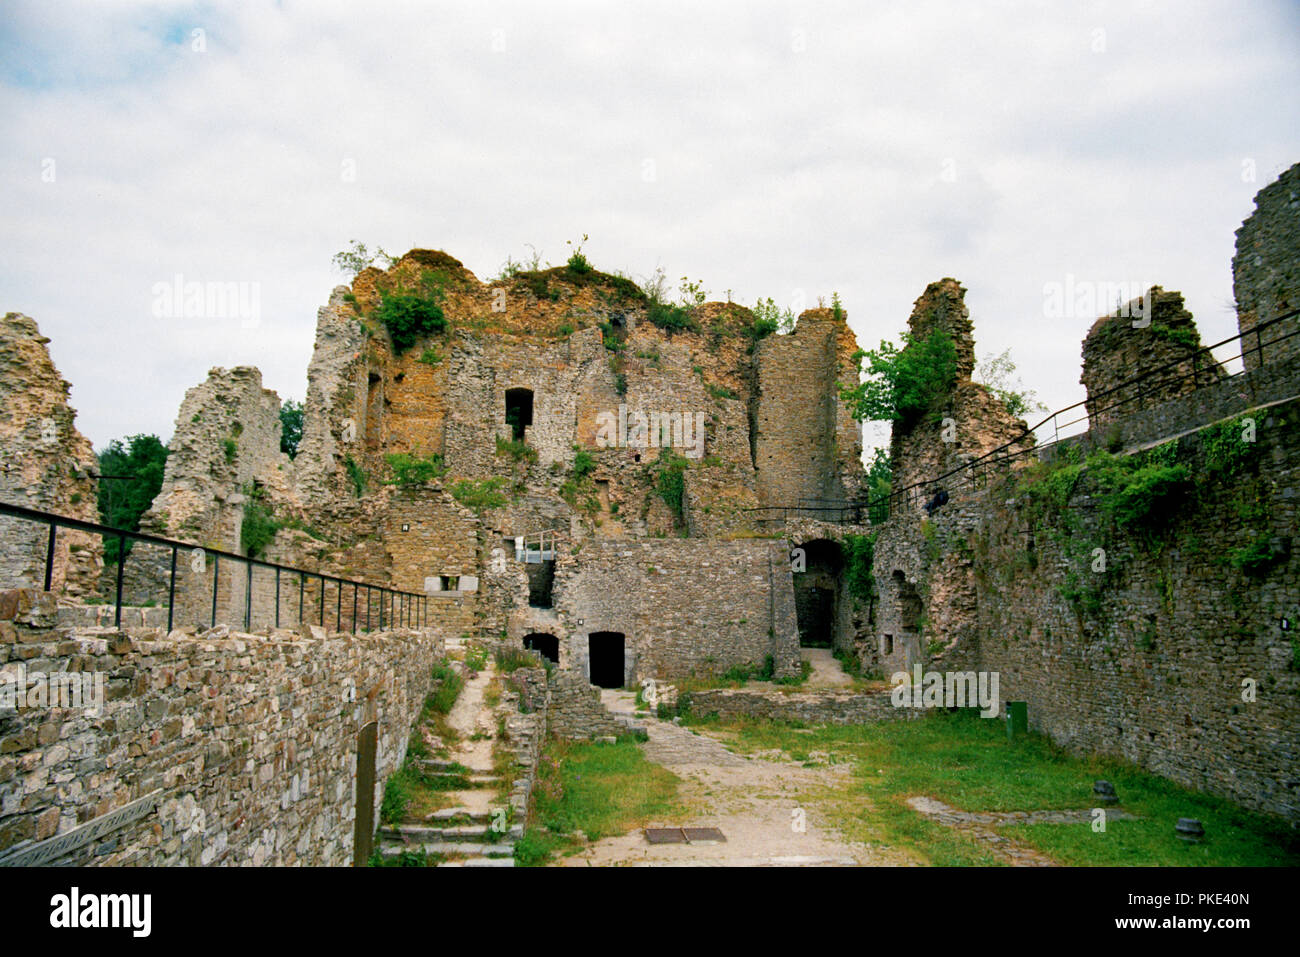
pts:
pixel 541 575
pixel 548 646
pixel 817 592
pixel 363 834
pixel 605 652
pixel 519 411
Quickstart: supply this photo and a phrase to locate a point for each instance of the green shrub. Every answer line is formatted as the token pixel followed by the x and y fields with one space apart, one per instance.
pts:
pixel 671 318
pixel 583 463
pixel 902 385
pixel 430 357
pixel 409 470
pixel 479 495
pixel 259 525
pixel 669 481
pixel 409 318
pixel 357 475
pixel 517 449
pixel 231 449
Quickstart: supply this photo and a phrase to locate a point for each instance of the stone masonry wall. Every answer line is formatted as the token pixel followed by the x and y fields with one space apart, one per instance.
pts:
pixel 251 739
pixel 1152 670
pixel 684 605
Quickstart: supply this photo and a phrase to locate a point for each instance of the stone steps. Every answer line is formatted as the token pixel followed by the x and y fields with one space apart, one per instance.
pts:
pixel 461 849
pixel 481 862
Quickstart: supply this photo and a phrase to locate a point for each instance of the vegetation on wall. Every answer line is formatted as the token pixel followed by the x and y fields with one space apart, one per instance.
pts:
pixel 259 525
pixel 995 372
pixel 480 495
pixel 669 481
pixel 357 476
pixel 903 384
pixel 411 470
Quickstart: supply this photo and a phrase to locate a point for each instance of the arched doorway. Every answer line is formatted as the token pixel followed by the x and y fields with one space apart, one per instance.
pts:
pixel 606 655
pixel 548 646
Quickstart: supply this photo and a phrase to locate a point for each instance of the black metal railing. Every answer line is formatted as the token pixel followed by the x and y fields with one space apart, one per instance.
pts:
pixel 383 605
pixel 977 471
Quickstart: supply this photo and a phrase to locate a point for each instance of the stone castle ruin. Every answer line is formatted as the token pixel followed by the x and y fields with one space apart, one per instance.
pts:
pixel 638 491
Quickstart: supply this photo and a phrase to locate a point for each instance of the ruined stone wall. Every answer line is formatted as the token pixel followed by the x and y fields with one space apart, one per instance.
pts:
pixel 685 606
pixel 45 464
pixel 251 740
pixel 821 707
pixel 807 446
pixel 1266 271
pixel 1155 338
pixel 1146 660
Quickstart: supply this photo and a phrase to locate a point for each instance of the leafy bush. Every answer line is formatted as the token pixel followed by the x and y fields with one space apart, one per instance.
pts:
pixel 430 357
pixel 479 495
pixel 517 449
pixel 409 470
pixel 410 318
pixel 671 318
pixel 903 384
pixel 258 528
pixel 669 481
pixel 583 463
pixel 357 475
pixel 231 449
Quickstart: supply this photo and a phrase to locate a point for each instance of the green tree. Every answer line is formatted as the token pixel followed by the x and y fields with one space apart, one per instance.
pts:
pixel 996 372
pixel 879 479
pixel 131 475
pixel 290 427
pixel 903 384
pixel 356 258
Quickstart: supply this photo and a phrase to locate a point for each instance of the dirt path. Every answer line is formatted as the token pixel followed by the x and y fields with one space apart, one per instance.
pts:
pixel 826 672
pixel 758 803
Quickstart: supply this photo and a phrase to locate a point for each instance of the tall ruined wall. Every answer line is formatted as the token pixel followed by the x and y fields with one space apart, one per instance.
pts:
pixel 45 464
pixel 807 446
pixel 227 438
pixel 1266 271
pixel 1146 659
pixel 685 606
pixel 1154 337
pixel 922 563
pixel 961 426
pixel 251 740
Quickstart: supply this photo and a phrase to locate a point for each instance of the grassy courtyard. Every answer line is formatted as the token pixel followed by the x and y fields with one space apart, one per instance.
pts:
pixel 968 763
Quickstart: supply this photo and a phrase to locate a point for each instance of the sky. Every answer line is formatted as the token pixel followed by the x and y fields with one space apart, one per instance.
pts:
pixel 783 150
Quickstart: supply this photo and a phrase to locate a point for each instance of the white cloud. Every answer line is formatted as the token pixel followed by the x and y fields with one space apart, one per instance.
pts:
pixel 795 148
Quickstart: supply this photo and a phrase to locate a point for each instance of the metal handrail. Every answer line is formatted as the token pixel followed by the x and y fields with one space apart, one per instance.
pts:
pixel 408 608
pixel 1001 456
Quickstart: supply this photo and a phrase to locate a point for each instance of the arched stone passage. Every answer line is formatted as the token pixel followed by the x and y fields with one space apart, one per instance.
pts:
pixel 817 592
pixel 606 655
pixel 548 646
pixel 519 411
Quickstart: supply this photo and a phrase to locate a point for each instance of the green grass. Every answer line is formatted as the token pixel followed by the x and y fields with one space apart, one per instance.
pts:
pixel 598 788
pixel 443 699
pixel 967 762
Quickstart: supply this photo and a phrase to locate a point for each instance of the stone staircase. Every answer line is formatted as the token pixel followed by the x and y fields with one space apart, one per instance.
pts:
pixel 487 808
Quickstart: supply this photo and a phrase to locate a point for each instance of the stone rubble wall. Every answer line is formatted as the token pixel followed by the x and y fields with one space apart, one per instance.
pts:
pixel 251 738
pixel 1266 270
pixel 823 707
pixel 45 464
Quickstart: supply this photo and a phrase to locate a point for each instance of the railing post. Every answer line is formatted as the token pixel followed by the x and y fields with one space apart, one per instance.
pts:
pixel 338 604
pixel 49 558
pixel 322 601
pixel 367 608
pixel 277 596
pixel 354 608
pixel 171 593
pixel 216 572
pixel 121 564
pixel 248 597
pixel 301 578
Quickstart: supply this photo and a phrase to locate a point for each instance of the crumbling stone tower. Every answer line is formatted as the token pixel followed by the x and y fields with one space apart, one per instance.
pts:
pixel 923 565
pixel 1154 338
pixel 45 463
pixel 1266 271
